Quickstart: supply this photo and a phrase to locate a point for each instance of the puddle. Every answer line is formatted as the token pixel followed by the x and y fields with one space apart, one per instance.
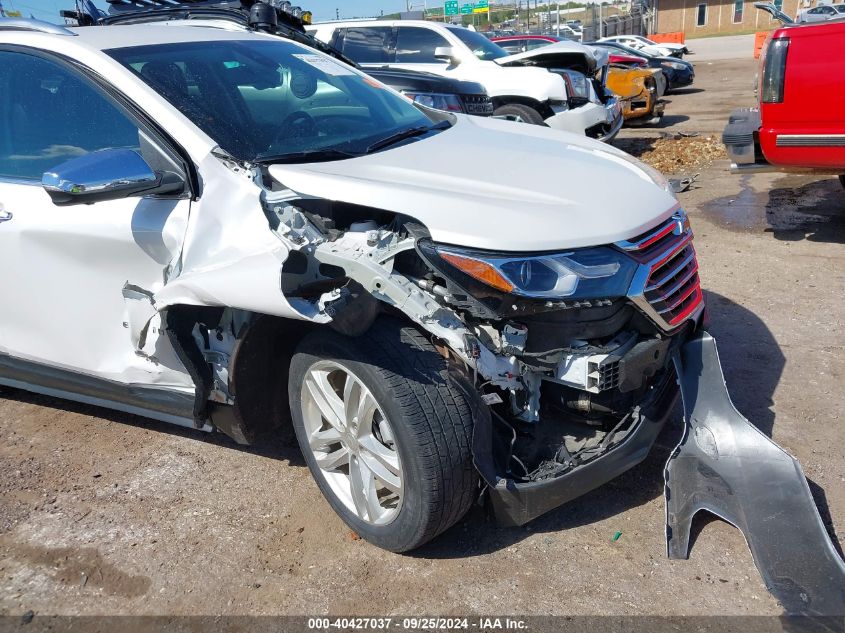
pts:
pixel 792 209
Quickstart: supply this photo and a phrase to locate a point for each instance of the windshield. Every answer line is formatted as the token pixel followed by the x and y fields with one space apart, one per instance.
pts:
pixel 480 46
pixel 261 100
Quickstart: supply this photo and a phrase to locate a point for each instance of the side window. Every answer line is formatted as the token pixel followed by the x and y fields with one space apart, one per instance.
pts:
pixel 701 14
pixel 415 45
pixel 368 45
pixel 49 114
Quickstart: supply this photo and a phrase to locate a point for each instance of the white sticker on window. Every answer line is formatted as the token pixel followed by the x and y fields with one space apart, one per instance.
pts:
pixel 325 64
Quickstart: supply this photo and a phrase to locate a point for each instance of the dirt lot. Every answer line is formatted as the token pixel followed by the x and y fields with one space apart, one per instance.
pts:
pixel 108 513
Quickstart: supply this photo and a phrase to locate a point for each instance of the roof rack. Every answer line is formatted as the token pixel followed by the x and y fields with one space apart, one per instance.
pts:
pixel 28 24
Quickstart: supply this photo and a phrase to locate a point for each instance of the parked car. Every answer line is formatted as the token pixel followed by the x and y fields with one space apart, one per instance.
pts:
pixel 787 131
pixel 637 89
pixel 561 85
pixel 434 91
pixel 630 85
pixel 623 60
pixel 679 72
pixel 820 13
pixel 640 43
pixel 259 228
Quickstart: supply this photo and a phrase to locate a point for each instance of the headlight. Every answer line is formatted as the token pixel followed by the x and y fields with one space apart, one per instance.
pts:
pixel 674 65
pixel 577 84
pixel 435 100
pixel 585 273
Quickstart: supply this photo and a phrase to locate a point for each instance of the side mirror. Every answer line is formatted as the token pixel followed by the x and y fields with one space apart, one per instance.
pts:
pixel 447 53
pixel 107 174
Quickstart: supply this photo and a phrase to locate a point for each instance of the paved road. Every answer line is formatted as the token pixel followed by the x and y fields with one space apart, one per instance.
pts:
pixel 708 49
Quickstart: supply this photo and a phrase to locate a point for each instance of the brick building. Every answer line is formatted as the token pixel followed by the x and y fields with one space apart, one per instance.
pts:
pixel 705 17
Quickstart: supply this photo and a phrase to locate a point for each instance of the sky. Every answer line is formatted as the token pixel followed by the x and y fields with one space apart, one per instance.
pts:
pixel 322 9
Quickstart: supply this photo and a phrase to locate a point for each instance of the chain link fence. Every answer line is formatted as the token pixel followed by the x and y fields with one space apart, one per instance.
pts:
pixel 638 21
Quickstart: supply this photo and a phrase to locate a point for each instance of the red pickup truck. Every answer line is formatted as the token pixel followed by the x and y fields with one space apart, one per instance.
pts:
pixel 799 125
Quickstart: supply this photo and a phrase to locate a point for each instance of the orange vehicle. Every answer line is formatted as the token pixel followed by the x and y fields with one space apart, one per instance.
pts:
pixel 637 91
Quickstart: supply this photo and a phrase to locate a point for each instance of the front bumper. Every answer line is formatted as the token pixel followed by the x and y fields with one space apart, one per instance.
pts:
pixel 680 79
pixel 601 121
pixel 516 503
pixel 643 109
pixel 726 466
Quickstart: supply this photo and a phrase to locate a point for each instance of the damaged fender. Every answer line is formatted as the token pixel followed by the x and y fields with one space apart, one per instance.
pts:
pixel 728 467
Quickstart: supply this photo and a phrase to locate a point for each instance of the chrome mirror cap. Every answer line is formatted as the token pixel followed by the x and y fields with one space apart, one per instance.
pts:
pixel 106 174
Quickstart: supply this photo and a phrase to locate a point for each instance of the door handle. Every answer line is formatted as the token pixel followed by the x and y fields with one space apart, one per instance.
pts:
pixel 5 216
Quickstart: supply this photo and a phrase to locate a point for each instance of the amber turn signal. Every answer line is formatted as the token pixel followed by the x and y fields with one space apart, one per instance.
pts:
pixel 479 270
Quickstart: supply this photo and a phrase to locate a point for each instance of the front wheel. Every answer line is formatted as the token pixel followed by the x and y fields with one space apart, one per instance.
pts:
pixel 519 112
pixel 385 434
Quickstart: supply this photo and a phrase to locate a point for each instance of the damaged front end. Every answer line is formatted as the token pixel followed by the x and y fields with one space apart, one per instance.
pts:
pixel 590 335
pixel 570 362
pixel 566 356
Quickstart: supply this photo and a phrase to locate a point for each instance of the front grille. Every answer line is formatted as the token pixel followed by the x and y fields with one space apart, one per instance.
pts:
pixel 478 104
pixel 671 290
pixel 647 245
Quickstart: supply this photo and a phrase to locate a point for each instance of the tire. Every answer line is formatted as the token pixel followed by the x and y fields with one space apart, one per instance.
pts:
pixel 523 113
pixel 426 417
pixel 842 179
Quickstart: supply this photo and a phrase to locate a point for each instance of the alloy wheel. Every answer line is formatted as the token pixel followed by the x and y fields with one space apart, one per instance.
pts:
pixel 352 442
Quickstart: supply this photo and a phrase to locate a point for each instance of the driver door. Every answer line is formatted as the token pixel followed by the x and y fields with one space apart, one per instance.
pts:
pixel 74 277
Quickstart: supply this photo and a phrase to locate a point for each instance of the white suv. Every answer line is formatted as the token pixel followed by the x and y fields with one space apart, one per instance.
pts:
pixel 561 85
pixel 224 229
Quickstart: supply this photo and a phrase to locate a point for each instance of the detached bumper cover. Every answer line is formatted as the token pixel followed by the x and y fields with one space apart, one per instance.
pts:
pixel 518 503
pixel 726 466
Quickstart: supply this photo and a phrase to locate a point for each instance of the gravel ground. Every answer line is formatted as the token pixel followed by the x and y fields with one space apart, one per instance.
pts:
pixel 106 513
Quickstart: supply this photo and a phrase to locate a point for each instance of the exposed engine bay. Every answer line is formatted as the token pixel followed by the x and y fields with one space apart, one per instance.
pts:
pixel 563 379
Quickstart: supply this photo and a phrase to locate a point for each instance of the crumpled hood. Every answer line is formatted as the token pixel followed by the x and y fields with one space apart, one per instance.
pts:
pixel 559 51
pixel 497 185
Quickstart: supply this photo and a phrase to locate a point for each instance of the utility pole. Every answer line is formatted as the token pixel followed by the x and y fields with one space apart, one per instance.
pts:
pixel 601 30
pixel 557 11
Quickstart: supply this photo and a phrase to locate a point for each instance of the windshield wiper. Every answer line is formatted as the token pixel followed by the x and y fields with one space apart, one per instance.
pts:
pixel 309 156
pixel 405 134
